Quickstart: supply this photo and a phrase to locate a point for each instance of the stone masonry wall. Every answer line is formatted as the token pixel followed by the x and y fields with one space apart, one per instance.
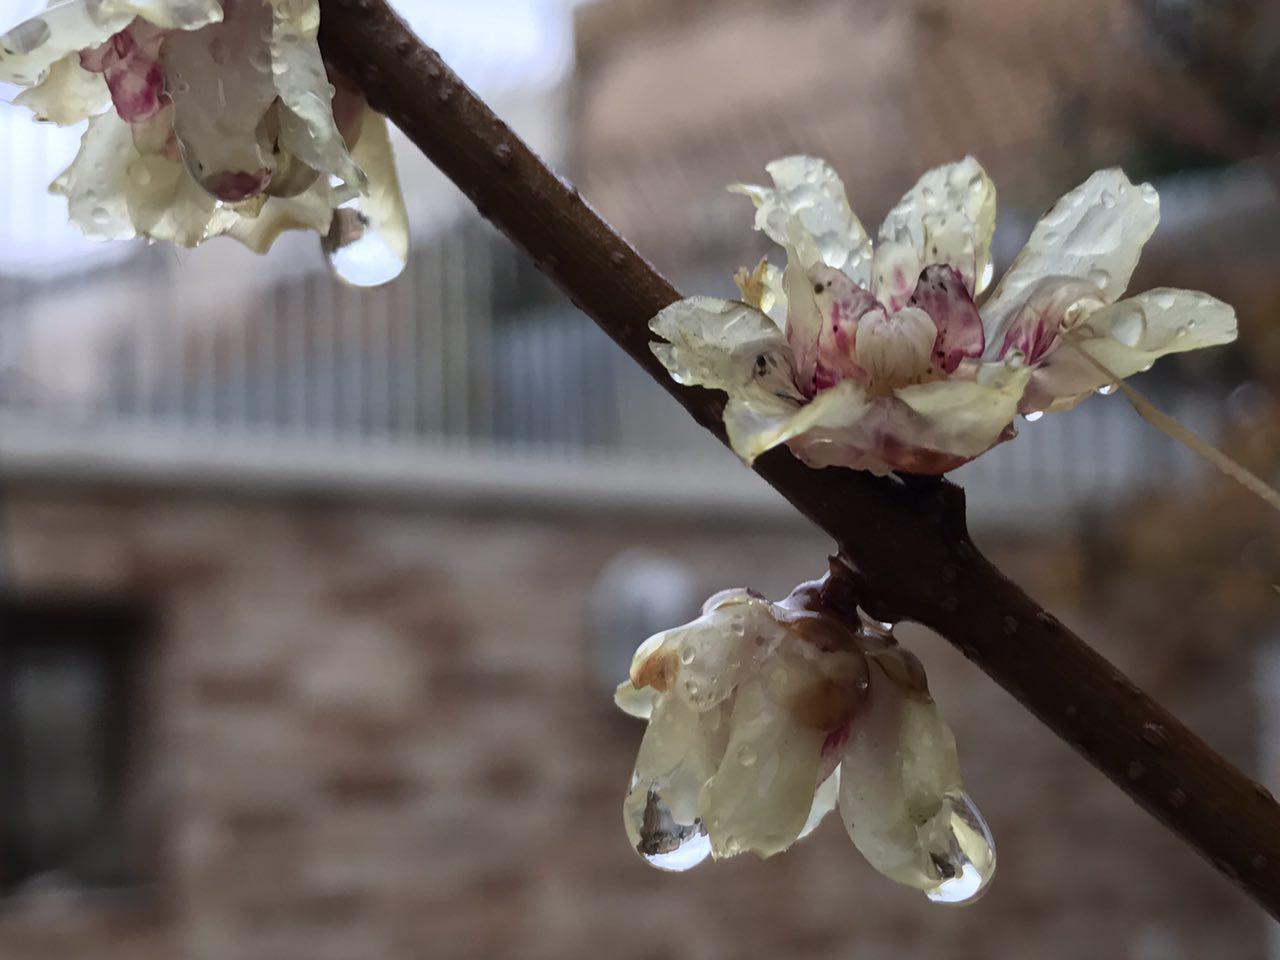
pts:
pixel 375 734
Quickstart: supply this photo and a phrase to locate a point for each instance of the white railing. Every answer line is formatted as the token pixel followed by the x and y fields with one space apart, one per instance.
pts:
pixel 470 354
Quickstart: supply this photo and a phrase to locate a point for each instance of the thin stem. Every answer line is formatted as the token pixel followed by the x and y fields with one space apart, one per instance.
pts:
pixel 905 542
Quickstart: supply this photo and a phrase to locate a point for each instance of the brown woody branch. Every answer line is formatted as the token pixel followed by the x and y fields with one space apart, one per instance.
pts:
pixel 906 540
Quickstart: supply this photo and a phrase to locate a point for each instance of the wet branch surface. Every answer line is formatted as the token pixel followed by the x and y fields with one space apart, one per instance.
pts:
pixel 907 544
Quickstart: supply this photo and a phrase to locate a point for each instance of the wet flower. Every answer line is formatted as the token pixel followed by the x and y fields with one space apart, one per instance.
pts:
pixel 764 717
pixel 879 356
pixel 211 117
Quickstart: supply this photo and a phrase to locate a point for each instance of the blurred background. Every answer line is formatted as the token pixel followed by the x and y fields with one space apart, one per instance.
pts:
pixel 312 600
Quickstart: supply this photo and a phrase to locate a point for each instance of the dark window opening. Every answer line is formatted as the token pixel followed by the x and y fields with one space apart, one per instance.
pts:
pixel 69 671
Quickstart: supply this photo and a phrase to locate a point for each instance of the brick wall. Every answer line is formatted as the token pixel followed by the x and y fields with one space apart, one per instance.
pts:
pixel 375 734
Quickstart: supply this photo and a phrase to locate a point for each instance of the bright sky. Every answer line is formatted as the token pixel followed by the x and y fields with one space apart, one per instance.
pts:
pixel 495 45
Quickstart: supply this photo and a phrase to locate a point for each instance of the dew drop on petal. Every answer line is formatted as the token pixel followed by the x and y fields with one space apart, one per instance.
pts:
pixel 966 857
pixel 1033 416
pixel 1106 389
pixel 357 252
pixel 667 844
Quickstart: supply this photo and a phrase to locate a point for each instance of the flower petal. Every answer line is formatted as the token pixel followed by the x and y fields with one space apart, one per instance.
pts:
pixel 948 217
pixel 824 801
pixel 680 751
pixel 807 208
pixel 942 294
pixel 97 183
pixel 310 210
pixel 633 701
pixel 220 79
pixel 964 417
pixel 1096 233
pixel 67 95
pixel 1051 306
pixel 1126 338
pixel 69 26
pixel 927 428
pixel 762 792
pixel 307 127
pixel 895 776
pixel 33 46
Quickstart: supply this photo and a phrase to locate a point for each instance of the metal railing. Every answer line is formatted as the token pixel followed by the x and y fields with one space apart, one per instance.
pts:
pixel 469 352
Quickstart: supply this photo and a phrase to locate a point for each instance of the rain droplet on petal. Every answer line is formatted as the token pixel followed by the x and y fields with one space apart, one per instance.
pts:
pixel 966 856
pixel 669 845
pixel 357 252
pixel 1033 416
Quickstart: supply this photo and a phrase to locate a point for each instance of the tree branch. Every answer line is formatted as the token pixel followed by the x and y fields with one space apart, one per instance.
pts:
pixel 906 541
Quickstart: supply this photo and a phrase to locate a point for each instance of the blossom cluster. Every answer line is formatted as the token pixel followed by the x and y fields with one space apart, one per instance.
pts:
pixel 208 118
pixel 881 357
pixel 764 717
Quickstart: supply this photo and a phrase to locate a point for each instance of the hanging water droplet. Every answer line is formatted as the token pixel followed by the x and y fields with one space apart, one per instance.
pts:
pixel 1033 416
pixel 667 844
pixel 1106 389
pixel 966 857
pixel 356 250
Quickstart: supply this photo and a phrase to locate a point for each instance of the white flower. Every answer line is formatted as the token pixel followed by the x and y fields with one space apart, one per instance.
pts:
pixel 880 358
pixel 223 120
pixel 764 717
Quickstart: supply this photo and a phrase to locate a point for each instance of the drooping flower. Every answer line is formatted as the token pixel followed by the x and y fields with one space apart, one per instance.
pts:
pixel 211 117
pixel 764 717
pixel 879 357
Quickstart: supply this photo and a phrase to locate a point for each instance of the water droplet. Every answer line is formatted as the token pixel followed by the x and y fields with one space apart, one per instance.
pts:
pixel 1108 199
pixel 746 756
pixel 1165 299
pixel 666 844
pixel 967 860
pixel 1010 626
pixel 1177 798
pixel 1154 734
pixel 1106 390
pixel 1099 278
pixel 687 655
pixel 1033 416
pixel 1136 770
pixel 357 251
pixel 26 37
pixel 691 687
pixel 100 215
pixel 1259 861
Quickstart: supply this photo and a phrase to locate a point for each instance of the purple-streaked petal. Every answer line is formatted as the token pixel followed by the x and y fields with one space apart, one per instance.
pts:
pixel 1126 338
pixel 943 294
pixel 130 63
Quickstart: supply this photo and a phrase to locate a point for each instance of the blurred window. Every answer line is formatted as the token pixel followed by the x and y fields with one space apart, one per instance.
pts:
pixel 67 716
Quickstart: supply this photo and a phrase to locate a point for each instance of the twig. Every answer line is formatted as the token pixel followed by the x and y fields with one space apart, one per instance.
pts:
pixel 906 543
